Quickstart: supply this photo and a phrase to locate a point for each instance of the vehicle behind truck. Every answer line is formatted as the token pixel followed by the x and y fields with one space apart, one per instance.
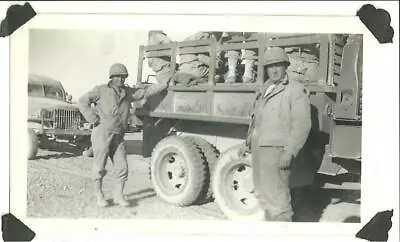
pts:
pixel 193 133
pixel 52 117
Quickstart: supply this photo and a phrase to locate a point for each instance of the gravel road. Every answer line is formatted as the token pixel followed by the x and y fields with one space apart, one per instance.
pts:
pixel 59 186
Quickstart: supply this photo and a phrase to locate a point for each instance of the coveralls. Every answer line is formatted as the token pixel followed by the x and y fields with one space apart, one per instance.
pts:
pixel 195 67
pixel 234 56
pixel 112 113
pixel 160 65
pixel 281 123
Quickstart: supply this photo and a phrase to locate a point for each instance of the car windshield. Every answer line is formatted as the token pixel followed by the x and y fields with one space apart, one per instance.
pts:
pixel 49 91
pixel 35 90
pixel 53 92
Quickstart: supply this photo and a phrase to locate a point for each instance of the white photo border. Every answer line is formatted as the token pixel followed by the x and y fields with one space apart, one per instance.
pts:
pixel 379 144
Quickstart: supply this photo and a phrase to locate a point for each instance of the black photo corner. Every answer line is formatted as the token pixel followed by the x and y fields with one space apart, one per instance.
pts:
pixel 16 16
pixel 14 229
pixel 378 227
pixel 376 20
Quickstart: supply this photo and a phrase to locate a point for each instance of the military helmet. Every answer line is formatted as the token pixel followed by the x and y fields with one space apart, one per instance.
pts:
pixel 275 55
pixel 153 32
pixel 118 69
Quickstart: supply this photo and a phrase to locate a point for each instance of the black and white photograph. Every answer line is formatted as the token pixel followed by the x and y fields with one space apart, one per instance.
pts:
pixel 178 120
pixel 202 125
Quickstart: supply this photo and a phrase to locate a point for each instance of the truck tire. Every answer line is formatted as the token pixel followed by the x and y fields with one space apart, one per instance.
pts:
pixel 210 155
pixel 33 144
pixel 233 187
pixel 177 171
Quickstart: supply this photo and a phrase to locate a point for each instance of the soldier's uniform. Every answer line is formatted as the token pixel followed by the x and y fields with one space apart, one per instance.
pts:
pixel 233 57
pixel 160 65
pixel 281 123
pixel 110 118
pixel 194 68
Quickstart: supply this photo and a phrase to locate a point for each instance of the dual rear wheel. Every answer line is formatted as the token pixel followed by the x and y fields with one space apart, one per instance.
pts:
pixel 188 170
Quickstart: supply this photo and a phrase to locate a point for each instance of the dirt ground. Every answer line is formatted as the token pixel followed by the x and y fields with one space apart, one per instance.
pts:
pixel 59 186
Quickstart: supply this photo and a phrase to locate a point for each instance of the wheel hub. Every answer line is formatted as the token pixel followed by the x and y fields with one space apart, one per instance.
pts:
pixel 173 173
pixel 240 192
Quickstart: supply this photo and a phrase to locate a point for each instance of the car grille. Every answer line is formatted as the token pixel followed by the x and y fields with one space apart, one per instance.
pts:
pixel 66 119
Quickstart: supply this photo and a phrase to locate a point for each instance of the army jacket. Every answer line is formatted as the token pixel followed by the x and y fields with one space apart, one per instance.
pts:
pixel 112 107
pixel 282 117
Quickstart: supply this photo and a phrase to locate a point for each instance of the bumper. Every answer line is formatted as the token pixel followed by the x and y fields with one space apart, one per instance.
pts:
pixel 83 132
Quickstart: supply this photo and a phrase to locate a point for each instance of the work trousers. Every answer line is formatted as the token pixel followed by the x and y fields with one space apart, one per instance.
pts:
pixel 107 144
pixel 271 183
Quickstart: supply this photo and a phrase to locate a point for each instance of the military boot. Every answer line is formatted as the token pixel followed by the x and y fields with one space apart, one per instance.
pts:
pixel 231 77
pixel 101 202
pixel 248 71
pixel 119 195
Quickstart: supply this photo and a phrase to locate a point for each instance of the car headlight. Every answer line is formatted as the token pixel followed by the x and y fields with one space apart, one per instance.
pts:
pixel 36 114
pixel 86 125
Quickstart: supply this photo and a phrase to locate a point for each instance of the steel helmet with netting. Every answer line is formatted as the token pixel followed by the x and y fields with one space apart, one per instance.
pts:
pixel 275 55
pixel 118 69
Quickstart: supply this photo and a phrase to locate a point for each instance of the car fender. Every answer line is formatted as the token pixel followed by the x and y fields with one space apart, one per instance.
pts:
pixel 36 127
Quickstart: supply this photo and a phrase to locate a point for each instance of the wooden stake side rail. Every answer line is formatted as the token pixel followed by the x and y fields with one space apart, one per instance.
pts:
pixel 223 102
pixel 222 87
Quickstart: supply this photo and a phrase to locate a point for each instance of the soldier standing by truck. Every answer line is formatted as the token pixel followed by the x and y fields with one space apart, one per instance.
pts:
pixel 109 120
pixel 280 127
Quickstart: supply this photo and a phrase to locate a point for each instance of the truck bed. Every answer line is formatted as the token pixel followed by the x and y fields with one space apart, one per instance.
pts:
pixel 225 103
pixel 231 103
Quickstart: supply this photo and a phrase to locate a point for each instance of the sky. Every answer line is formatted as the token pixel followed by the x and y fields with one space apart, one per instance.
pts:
pixel 81 59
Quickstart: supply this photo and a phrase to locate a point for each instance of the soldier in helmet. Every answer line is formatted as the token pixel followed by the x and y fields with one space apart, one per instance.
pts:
pixel 280 127
pixel 109 119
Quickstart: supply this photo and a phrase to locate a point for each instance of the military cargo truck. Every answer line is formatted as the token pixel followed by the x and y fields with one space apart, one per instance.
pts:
pixel 193 133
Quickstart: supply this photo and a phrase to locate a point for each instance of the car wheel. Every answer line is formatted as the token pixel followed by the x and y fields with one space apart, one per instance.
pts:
pixel 33 144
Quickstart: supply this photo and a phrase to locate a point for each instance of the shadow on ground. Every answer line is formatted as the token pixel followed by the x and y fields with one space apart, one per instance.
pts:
pixel 135 197
pixel 310 203
pixel 64 150
pixel 56 156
